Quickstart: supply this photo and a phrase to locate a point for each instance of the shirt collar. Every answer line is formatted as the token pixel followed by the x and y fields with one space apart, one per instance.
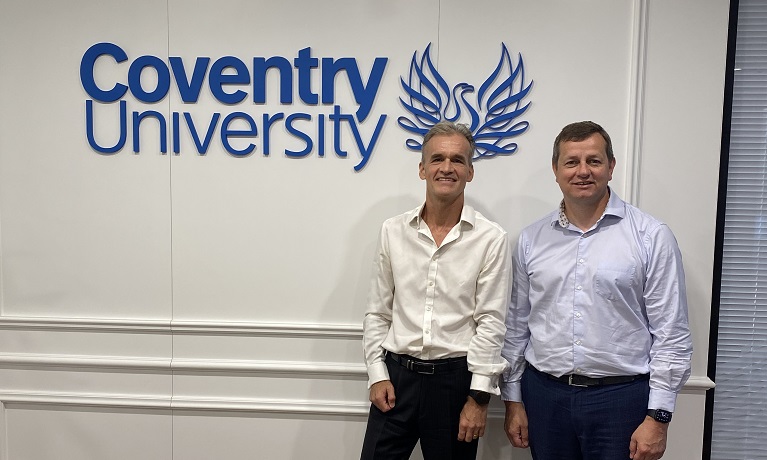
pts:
pixel 615 207
pixel 468 215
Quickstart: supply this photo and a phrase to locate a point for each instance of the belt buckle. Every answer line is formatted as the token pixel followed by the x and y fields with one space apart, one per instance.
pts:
pixel 570 382
pixel 417 367
pixel 431 368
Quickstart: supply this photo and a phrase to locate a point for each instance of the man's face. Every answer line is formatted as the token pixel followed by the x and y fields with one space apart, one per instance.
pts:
pixel 582 170
pixel 446 167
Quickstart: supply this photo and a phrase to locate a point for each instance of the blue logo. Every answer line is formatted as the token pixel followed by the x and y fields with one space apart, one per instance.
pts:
pixel 235 84
pixel 493 115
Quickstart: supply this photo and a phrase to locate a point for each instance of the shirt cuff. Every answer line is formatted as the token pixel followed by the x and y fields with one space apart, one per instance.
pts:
pixel 511 391
pixel 486 383
pixel 377 372
pixel 662 399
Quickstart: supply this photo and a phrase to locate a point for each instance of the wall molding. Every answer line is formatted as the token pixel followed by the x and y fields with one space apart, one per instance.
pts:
pixel 181 366
pixel 198 327
pixel 696 384
pixel 160 402
pixel 197 404
pixel 636 103
pixel 188 404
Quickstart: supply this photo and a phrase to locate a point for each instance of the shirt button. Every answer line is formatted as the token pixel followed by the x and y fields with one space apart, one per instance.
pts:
pixel 580 261
pixel 578 288
pixel 431 283
pixel 428 308
pixel 577 342
pixel 577 315
pixel 578 370
pixel 427 332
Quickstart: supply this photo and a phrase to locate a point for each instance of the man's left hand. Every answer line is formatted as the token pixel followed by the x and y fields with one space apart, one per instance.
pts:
pixel 649 440
pixel 472 422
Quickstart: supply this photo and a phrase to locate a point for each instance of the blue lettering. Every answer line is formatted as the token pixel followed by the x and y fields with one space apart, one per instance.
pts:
pixel 218 79
pixel 321 135
pixel 89 129
pixel 366 151
pixel 300 134
pixel 189 89
pixel 226 133
pixel 260 68
pixel 86 72
pixel 267 127
pixel 163 79
pixel 138 118
pixel 337 118
pixel 176 134
pixel 363 95
pixel 305 63
pixel 202 147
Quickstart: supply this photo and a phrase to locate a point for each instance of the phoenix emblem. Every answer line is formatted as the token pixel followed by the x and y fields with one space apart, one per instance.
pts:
pixel 492 115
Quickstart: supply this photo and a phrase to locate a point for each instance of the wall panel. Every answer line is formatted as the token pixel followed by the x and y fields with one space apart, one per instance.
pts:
pixel 192 306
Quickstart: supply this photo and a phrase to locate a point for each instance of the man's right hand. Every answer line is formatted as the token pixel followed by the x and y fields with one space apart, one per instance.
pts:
pixel 382 395
pixel 515 424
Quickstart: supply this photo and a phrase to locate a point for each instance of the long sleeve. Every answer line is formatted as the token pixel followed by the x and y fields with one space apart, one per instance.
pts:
pixel 517 330
pixel 492 294
pixel 665 299
pixel 378 316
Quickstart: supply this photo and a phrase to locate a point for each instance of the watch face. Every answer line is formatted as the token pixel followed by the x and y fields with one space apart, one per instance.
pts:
pixel 661 415
pixel 481 397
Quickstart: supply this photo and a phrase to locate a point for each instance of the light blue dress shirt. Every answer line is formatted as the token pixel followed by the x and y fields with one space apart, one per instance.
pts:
pixel 606 302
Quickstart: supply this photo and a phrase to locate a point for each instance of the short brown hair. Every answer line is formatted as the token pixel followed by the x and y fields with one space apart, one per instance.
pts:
pixel 579 131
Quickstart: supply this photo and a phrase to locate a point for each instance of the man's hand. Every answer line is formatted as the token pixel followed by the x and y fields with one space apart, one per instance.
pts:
pixel 515 424
pixel 382 395
pixel 472 422
pixel 649 440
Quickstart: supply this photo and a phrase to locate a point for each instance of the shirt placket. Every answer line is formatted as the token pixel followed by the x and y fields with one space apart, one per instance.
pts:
pixel 431 292
pixel 580 297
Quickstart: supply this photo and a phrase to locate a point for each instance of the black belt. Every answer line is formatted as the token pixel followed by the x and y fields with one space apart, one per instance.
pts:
pixel 583 381
pixel 434 366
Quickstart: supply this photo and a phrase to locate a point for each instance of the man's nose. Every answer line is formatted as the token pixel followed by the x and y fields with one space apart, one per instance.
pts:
pixel 583 169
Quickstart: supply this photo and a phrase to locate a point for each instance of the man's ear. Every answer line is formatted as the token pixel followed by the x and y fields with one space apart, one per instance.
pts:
pixel 421 171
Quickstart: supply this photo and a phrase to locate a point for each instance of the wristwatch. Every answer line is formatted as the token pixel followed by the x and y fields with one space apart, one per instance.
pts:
pixel 481 397
pixel 659 415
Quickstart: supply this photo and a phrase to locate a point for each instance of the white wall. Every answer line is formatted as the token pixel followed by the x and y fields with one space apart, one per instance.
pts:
pixel 193 307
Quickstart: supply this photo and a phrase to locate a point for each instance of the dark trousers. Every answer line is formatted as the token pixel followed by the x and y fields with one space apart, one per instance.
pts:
pixel 427 407
pixel 582 423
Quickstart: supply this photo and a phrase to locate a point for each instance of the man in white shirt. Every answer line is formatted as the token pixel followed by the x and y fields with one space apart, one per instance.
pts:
pixel 434 325
pixel 598 339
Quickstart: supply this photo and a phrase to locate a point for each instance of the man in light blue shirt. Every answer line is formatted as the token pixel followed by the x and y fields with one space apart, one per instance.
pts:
pixel 597 330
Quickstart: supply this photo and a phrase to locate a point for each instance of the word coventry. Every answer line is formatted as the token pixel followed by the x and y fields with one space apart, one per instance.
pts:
pixel 229 80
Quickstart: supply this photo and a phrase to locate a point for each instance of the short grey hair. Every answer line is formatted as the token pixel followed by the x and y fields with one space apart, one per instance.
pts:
pixel 446 128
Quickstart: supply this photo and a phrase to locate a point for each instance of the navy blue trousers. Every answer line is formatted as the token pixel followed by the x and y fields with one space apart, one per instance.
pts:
pixel 427 407
pixel 582 423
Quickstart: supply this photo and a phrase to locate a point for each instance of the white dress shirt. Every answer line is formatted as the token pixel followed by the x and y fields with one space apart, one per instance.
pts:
pixel 434 302
pixel 609 301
